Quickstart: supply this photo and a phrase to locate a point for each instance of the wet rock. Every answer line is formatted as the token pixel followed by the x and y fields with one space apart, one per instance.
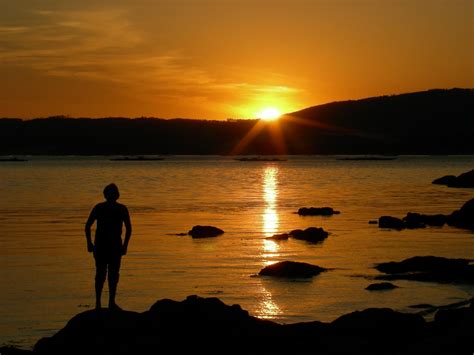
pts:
pixel 317 211
pixel 205 232
pixel 463 218
pixel 311 234
pixel 428 268
pixel 291 269
pixel 391 223
pixel 465 180
pixel 277 237
pixel 381 286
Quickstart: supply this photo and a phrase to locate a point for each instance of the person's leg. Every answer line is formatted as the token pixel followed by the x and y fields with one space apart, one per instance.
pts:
pixel 113 279
pixel 100 275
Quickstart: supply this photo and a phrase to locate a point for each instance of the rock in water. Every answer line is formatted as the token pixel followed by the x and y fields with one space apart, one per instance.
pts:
pixel 463 218
pixel 291 269
pixel 428 268
pixel 445 180
pixel 277 237
pixel 311 234
pixel 317 211
pixel 465 180
pixel 381 286
pixel 205 232
pixel 391 222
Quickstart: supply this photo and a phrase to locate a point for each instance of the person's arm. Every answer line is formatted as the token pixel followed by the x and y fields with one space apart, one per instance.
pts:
pixel 89 223
pixel 128 231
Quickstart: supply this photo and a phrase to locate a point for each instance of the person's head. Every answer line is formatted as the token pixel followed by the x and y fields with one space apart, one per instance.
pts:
pixel 111 193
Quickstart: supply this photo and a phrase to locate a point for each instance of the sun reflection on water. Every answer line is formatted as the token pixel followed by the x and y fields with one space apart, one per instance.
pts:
pixel 268 309
pixel 270 249
pixel 270 194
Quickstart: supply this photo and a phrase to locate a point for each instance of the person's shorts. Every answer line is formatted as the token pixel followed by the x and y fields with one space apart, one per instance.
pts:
pixel 108 260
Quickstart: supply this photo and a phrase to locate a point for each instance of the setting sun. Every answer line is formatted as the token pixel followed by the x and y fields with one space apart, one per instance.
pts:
pixel 269 114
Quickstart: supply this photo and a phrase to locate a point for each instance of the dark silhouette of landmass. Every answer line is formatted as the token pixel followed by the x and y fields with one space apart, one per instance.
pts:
pixel 207 325
pixel 430 122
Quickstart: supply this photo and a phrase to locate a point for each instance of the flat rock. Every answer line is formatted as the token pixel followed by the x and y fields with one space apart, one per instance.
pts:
pixel 317 211
pixel 311 234
pixel 205 232
pixel 381 286
pixel 291 269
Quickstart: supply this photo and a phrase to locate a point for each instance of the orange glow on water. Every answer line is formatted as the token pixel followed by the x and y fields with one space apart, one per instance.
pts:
pixel 270 194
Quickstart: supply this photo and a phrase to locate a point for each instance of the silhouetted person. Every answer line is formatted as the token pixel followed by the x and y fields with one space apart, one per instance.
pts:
pixel 108 248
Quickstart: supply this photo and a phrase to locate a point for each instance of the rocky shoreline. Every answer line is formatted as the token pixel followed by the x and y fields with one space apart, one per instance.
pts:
pixel 208 325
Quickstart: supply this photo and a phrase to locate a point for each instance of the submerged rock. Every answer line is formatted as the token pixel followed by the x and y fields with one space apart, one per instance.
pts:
pixel 311 234
pixel 317 211
pixel 205 232
pixel 463 180
pixel 428 268
pixel 277 237
pixel 381 286
pixel 291 269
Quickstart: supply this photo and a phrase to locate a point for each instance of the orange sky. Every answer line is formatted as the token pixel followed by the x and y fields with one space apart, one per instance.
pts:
pixel 217 59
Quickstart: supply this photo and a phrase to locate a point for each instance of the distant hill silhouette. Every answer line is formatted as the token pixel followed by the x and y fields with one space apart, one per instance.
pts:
pixel 430 122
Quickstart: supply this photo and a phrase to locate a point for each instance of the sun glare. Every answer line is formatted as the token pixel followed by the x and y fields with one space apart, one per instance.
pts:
pixel 269 114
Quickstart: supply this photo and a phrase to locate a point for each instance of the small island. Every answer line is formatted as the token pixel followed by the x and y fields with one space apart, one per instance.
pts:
pixel 12 160
pixel 259 159
pixel 139 158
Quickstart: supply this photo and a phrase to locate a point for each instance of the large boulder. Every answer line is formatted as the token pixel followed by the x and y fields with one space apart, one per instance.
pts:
pixel 168 327
pixel 205 232
pixel 463 180
pixel 428 268
pixel 311 234
pixel 317 211
pixel 291 269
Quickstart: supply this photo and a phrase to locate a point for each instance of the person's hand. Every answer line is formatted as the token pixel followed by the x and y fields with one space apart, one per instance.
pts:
pixel 90 247
pixel 124 250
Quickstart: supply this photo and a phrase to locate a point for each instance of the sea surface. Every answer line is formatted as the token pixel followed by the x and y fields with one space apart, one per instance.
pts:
pixel 47 276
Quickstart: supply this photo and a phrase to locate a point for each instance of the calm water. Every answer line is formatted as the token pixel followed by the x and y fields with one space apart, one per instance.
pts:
pixel 47 275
